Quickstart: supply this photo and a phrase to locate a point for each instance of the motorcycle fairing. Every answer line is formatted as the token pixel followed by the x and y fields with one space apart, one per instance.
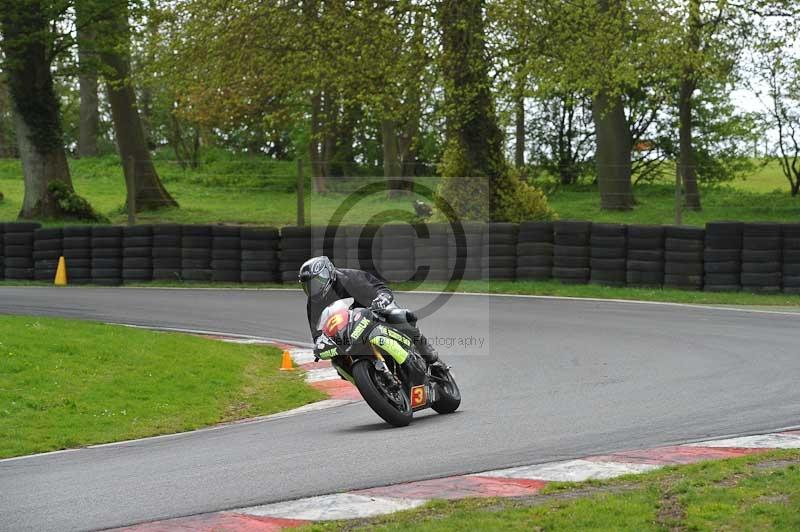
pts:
pixel 390 346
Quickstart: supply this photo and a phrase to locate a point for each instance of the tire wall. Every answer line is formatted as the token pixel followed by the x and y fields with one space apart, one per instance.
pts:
pixel 535 251
pixel 724 256
pixel 790 241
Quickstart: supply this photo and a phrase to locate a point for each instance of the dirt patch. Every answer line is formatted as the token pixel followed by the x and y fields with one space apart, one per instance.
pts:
pixel 773 499
pixel 777 464
pixel 671 513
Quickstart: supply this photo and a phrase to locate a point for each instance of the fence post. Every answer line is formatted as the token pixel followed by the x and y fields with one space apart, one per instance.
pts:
pixel 301 207
pixel 130 184
pixel 677 193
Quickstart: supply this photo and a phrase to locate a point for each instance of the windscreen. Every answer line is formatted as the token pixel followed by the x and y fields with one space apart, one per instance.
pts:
pixel 340 307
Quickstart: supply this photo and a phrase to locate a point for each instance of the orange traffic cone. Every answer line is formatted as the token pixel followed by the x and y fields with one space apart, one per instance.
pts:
pixel 286 362
pixel 61 273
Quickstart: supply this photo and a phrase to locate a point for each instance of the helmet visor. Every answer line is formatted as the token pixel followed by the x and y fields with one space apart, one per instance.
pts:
pixel 317 285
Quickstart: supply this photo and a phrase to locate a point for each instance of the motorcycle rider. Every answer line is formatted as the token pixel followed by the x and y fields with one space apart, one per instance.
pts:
pixel 323 283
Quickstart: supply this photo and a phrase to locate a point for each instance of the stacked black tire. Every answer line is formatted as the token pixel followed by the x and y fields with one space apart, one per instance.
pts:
pixel 467 252
pixel 791 258
pixel 330 242
pixel 535 251
pixel 226 254
pixel 431 254
pixel 47 248
pixel 571 251
pixel 260 255
pixel 137 254
pixel 18 250
pixel 77 251
pixel 196 241
pixel 499 259
pixel 351 237
pixel 106 255
pixel 723 257
pixel 683 257
pixel 608 255
pixel 167 252
pixel 645 256
pixel 295 249
pixel 761 258
pixel 396 262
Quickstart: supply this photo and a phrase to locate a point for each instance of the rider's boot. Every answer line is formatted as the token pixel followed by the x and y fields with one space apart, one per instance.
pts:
pixel 427 351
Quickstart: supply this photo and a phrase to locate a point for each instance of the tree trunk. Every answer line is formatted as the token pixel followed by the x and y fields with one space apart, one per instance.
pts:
pixel 314 151
pixel 328 122
pixel 406 145
pixel 613 153
pixel 7 144
pixel 392 170
pixel 519 140
pixel 150 192
pixel 474 137
pixel 147 117
pixel 89 117
pixel 688 164
pixel 39 170
pixel 35 107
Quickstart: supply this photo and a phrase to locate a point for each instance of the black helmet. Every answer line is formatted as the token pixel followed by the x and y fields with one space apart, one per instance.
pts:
pixel 317 276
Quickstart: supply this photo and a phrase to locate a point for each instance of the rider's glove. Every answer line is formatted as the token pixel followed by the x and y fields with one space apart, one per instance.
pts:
pixel 324 349
pixel 382 301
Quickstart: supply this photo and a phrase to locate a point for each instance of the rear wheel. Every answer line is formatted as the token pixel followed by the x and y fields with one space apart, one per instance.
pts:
pixel 449 396
pixel 393 406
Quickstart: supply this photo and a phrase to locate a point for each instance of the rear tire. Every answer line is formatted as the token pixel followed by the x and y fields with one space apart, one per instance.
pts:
pixel 364 375
pixel 450 398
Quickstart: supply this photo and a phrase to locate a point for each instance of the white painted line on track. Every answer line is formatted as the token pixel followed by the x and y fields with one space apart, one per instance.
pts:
pixel 325 404
pixel 699 306
pixel 761 441
pixel 264 339
pixel 571 471
pixel 321 374
pixel 330 507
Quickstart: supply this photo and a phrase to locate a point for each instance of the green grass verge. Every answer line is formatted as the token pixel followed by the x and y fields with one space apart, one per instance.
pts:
pixel 259 191
pixel 539 288
pixel 758 492
pixel 68 383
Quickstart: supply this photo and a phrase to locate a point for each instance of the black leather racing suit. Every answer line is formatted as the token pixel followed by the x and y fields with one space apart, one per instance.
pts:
pixel 363 287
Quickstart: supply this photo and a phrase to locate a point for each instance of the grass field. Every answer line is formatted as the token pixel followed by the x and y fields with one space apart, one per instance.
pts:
pixel 67 383
pixel 254 190
pixel 758 492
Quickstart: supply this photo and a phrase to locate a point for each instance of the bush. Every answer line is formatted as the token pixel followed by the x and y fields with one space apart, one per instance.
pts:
pixel 73 205
pixel 525 202
pixel 460 194
pixel 502 198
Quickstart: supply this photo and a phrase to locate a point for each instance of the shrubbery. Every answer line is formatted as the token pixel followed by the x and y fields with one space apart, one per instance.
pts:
pixel 504 197
pixel 73 205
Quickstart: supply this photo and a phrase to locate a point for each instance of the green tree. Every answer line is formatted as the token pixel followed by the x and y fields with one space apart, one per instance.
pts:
pixel 477 182
pixel 777 65
pixel 29 46
pixel 109 22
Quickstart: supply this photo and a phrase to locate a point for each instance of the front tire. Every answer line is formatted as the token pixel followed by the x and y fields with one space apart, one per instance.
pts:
pixel 366 380
pixel 449 395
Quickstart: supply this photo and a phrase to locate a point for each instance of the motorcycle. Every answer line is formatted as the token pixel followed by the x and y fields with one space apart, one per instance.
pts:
pixel 374 350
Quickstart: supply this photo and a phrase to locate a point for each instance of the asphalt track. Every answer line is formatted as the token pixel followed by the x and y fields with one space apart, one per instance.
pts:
pixel 554 379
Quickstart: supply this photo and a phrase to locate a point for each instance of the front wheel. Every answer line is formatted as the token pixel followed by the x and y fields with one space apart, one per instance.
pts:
pixel 393 406
pixel 449 397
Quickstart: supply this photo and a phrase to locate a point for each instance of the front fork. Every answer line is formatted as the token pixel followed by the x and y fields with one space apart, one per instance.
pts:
pixel 383 369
